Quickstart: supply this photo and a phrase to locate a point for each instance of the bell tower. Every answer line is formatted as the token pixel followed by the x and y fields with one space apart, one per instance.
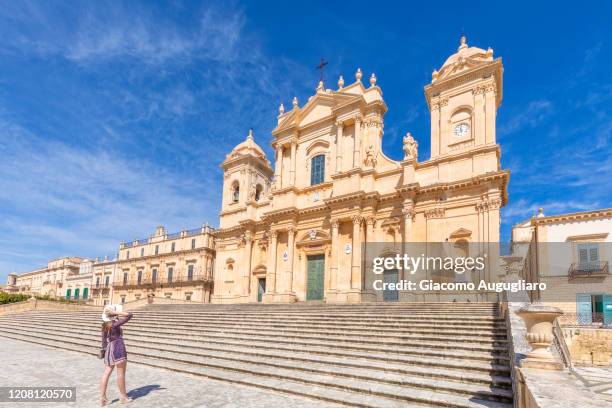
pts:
pixel 463 98
pixel 247 176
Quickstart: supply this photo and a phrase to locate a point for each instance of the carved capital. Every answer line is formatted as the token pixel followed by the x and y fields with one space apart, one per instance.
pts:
pixel 370 221
pixel 437 212
pixel 357 219
pixel 339 124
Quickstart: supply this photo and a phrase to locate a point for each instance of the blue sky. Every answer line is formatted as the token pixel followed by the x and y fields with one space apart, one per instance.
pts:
pixel 114 116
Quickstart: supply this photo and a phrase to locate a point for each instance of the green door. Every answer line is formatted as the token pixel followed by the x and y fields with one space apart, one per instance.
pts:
pixel 261 288
pixel 607 309
pixel 390 276
pixel 584 308
pixel 316 274
pixel 76 293
pixel 85 293
pixel 68 293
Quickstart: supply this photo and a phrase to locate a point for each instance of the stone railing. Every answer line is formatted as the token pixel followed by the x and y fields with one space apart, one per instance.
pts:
pixel 32 304
pixel 136 304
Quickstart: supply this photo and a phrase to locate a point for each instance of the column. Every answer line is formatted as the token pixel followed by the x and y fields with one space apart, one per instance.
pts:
pixel 246 273
pixel 278 168
pixel 339 133
pixel 293 164
pixel 334 255
pixel 408 212
pixel 290 251
pixel 271 275
pixel 357 143
pixel 356 258
pixel 368 238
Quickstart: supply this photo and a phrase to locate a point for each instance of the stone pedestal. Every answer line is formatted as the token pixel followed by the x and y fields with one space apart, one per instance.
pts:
pixel 539 323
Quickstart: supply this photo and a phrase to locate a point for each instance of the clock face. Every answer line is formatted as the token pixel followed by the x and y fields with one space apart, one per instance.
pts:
pixel 462 130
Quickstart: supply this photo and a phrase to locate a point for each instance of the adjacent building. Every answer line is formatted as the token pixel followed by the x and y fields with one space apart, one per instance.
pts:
pixel 294 230
pixel 571 253
pixel 177 265
pixel 46 281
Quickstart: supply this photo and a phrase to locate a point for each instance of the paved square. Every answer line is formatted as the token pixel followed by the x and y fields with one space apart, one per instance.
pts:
pixel 28 364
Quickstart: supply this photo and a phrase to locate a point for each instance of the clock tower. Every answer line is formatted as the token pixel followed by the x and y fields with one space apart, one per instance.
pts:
pixel 463 98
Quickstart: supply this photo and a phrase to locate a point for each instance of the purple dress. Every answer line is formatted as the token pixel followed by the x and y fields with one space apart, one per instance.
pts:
pixel 113 343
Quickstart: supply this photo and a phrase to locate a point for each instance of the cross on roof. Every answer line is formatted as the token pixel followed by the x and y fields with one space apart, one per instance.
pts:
pixel 321 66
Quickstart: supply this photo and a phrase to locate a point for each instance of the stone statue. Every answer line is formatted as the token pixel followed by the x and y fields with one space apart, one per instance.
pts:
pixel 370 159
pixel 411 147
pixel 252 192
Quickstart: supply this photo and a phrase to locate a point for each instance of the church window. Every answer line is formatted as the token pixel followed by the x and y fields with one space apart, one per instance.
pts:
pixel 235 193
pixel 258 190
pixel 317 169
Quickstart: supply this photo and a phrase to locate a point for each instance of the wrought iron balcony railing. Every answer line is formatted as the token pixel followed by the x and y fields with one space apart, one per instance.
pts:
pixel 588 269
pixel 165 281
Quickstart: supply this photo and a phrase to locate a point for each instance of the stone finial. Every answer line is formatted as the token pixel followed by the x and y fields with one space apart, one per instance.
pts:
pixel 340 82
pixel 358 75
pixel 373 79
pixel 281 109
pixel 489 52
pixel 463 42
pixel 295 102
pixel 250 135
pixel 320 87
pixel 434 74
pixel 540 212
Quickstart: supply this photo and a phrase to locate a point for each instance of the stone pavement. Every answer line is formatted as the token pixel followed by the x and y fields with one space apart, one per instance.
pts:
pixel 28 364
pixel 597 379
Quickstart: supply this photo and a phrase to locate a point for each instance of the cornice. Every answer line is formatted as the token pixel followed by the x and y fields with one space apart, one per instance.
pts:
pixel 577 216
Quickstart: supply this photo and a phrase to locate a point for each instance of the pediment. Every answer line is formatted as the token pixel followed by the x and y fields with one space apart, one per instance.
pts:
pixel 462 65
pixel 318 107
pixel 312 236
pixel 461 233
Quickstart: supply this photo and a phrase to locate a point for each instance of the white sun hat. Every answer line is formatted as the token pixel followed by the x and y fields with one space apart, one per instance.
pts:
pixel 110 308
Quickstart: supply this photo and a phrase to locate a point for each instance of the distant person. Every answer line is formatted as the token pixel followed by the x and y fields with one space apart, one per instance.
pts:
pixel 113 350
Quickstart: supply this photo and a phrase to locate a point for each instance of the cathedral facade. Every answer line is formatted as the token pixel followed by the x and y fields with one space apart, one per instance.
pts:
pixel 295 230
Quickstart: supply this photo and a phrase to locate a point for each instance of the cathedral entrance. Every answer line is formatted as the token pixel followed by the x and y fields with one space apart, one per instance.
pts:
pixel 261 288
pixel 316 273
pixel 390 276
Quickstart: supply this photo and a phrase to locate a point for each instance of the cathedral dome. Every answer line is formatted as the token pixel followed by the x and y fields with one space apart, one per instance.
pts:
pixel 248 147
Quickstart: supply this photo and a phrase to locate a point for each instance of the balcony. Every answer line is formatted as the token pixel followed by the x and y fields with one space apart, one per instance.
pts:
pixel 164 282
pixel 598 269
pixel 99 288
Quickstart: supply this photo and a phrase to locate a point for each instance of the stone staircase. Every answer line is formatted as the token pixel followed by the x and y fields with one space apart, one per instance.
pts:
pixel 359 355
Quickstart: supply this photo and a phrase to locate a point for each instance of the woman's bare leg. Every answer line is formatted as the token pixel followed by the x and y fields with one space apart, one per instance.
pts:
pixel 108 370
pixel 121 378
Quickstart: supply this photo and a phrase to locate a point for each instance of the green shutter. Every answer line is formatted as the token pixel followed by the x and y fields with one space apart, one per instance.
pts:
pixel 76 294
pixel 85 293
pixel 68 291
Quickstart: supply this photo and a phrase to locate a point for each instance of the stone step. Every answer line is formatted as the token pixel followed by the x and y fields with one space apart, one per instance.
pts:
pixel 368 323
pixel 403 390
pixel 418 349
pixel 285 358
pixel 432 341
pixel 445 315
pixel 481 335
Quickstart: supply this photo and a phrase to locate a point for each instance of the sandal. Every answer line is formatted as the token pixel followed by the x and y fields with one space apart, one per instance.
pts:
pixel 103 401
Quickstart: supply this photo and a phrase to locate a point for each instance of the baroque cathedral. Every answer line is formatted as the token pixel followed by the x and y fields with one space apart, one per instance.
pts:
pixel 300 229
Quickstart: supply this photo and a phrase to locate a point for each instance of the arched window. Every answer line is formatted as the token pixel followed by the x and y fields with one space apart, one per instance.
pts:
pixel 258 190
pixel 235 192
pixel 317 169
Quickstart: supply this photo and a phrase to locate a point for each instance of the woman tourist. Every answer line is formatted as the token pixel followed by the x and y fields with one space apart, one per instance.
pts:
pixel 113 350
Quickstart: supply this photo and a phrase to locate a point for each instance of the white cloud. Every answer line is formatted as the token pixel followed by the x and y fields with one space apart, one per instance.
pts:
pixel 530 116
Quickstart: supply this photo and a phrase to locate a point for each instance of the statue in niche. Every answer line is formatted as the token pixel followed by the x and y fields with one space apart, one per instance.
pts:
pixel 410 147
pixel 370 159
